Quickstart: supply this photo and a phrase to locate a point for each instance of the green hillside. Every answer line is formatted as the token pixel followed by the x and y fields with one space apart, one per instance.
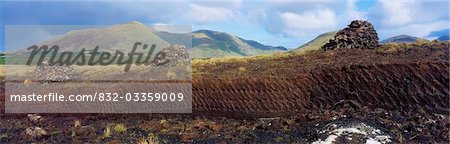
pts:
pixel 402 39
pixel 207 43
pixel 317 42
pixel 201 44
pixel 176 38
pixel 117 37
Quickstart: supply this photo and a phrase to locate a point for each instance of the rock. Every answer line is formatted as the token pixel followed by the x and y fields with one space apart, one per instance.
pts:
pixel 35 132
pixel 27 81
pixel 171 56
pixel 77 123
pixel 346 103
pixel 242 128
pixel 214 126
pixel 266 123
pixel 35 117
pixel 82 131
pixel 200 125
pixel 358 35
pixel 54 73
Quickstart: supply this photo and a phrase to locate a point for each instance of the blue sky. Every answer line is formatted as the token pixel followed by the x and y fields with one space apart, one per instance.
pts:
pixel 275 22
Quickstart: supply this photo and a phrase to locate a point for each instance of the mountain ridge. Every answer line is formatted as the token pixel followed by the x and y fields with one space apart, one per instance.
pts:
pixel 210 43
pixel 317 42
pixel 443 38
pixel 116 37
pixel 403 38
pixel 200 43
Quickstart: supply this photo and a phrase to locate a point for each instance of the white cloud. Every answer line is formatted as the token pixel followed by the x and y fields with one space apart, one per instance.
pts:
pixel 420 30
pixel 398 12
pixel 172 28
pixel 298 25
pixel 351 13
pixel 411 17
pixel 207 14
pixel 236 3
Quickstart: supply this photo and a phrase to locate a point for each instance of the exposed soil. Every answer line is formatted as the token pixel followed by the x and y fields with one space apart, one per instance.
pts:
pixel 412 78
pixel 400 127
pixel 404 93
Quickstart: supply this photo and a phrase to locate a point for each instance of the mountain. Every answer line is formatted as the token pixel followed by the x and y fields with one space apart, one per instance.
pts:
pixel 444 38
pixel 204 44
pixel 207 43
pixel 176 38
pixel 402 39
pixel 117 37
pixel 317 42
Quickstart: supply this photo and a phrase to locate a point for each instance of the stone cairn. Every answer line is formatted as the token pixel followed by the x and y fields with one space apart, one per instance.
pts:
pixel 54 73
pixel 358 35
pixel 171 56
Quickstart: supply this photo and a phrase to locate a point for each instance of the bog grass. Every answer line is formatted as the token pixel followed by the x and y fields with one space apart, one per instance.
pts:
pixel 199 63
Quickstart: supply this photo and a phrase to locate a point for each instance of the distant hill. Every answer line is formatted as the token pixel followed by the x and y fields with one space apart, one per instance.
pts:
pixel 402 39
pixel 176 38
pixel 204 44
pixel 317 42
pixel 207 43
pixel 117 37
pixel 444 38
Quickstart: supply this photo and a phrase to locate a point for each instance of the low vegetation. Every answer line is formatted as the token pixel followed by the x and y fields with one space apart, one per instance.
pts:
pixel 264 65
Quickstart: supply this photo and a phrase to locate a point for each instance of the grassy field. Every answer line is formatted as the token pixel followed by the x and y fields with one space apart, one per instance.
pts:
pixel 280 63
pixel 2 60
pixel 199 65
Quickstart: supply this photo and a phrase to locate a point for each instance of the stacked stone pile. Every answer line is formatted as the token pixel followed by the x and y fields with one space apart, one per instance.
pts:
pixel 358 35
pixel 171 56
pixel 54 73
